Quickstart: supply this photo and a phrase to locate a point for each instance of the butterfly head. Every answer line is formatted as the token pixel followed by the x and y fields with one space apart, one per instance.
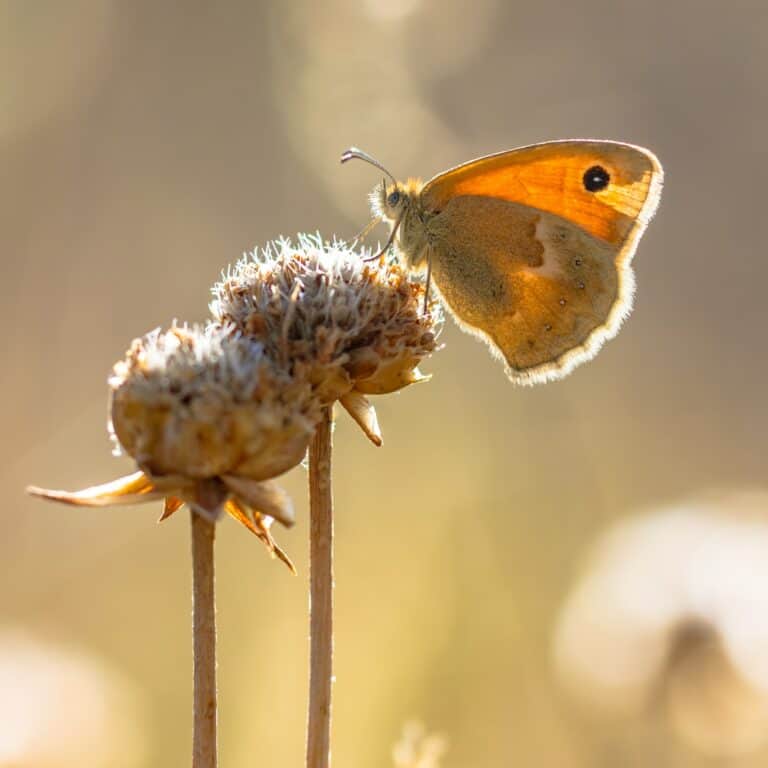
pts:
pixel 398 204
pixel 392 201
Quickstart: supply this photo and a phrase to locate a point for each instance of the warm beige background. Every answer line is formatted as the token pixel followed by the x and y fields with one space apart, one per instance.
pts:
pixel 145 145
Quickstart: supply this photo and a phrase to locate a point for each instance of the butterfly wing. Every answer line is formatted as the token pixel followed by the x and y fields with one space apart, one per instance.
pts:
pixel 531 248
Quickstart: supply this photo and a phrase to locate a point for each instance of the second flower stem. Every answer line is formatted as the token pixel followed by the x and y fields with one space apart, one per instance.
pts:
pixel 321 595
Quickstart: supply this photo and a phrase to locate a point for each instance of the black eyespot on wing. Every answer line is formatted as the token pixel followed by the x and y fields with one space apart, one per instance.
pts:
pixel 393 199
pixel 596 178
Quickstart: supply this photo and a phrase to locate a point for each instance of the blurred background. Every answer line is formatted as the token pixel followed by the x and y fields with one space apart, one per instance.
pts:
pixel 498 558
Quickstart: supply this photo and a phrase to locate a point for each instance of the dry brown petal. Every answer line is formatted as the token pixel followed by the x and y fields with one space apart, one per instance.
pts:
pixel 259 526
pixel 392 375
pixel 265 497
pixel 131 489
pixel 170 505
pixel 208 498
pixel 362 411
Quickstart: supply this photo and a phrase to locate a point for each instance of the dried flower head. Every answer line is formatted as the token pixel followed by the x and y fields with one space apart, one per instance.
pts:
pixel 209 403
pixel 353 328
pixel 209 419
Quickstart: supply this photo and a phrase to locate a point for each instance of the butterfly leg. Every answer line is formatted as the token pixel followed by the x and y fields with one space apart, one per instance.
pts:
pixel 428 282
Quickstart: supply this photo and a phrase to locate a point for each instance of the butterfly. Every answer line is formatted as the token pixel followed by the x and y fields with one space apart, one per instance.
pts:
pixel 530 249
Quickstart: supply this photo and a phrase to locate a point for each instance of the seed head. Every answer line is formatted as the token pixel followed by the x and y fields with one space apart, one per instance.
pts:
pixel 209 418
pixel 203 403
pixel 352 328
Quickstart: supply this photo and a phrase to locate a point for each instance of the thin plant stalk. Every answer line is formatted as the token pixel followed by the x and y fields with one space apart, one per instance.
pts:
pixel 321 596
pixel 204 642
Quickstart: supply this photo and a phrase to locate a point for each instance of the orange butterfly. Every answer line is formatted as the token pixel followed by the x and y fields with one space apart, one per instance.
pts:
pixel 530 249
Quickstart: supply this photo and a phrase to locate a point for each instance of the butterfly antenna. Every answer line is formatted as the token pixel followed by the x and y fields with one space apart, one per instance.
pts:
pixel 353 153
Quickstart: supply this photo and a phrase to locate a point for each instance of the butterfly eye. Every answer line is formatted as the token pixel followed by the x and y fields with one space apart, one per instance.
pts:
pixel 393 199
pixel 596 178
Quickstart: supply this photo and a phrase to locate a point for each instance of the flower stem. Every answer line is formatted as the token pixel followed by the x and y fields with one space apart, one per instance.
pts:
pixel 204 641
pixel 321 596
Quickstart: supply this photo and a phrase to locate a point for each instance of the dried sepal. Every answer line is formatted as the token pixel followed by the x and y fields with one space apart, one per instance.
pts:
pixel 265 497
pixel 131 489
pixel 259 525
pixel 392 376
pixel 208 498
pixel 362 411
pixel 253 504
pixel 170 505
